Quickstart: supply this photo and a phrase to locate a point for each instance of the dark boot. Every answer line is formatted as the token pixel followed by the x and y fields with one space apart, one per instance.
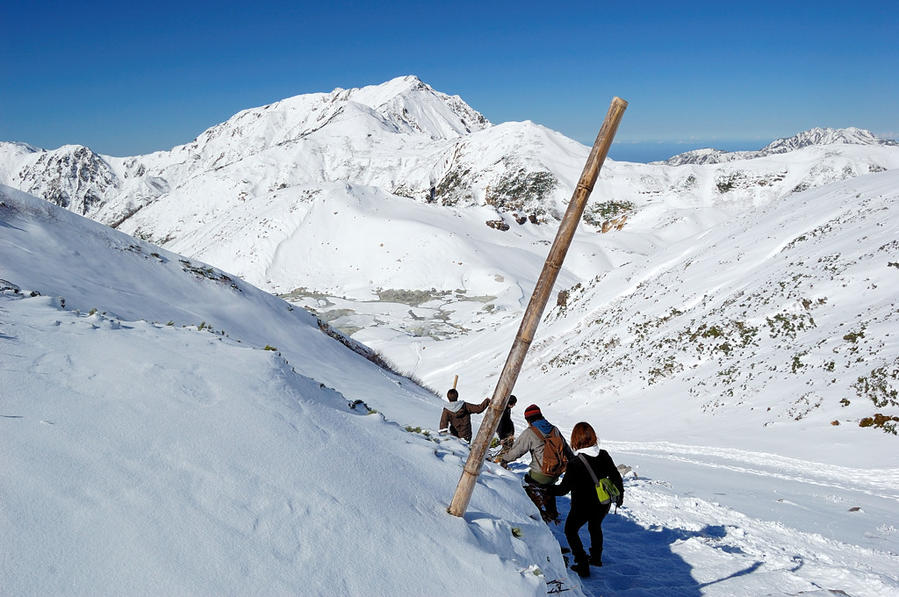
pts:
pixel 549 506
pixel 582 568
pixel 536 494
pixel 596 559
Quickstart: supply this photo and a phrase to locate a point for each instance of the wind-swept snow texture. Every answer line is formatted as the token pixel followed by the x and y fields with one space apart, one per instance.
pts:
pixel 143 457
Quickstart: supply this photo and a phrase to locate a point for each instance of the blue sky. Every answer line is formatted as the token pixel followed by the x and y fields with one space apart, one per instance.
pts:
pixel 126 80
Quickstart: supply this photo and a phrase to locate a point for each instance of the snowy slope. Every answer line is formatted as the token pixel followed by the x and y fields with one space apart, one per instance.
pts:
pixel 781 322
pixel 718 367
pixel 146 458
pixel 153 445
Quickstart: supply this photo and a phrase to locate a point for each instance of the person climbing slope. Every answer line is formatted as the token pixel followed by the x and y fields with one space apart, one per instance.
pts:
pixel 456 417
pixel 585 504
pixel 549 456
pixel 506 428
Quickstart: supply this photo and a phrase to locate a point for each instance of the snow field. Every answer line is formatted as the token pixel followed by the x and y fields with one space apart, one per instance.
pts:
pixel 154 459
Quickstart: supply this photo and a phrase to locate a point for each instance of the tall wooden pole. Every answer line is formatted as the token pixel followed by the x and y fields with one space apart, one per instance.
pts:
pixel 535 307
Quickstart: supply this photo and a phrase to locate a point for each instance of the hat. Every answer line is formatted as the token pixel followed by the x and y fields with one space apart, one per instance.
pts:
pixel 533 412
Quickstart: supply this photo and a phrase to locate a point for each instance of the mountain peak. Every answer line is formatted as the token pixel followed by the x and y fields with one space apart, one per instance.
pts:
pixel 414 106
pixel 393 87
pixel 403 105
pixel 410 81
pixel 19 146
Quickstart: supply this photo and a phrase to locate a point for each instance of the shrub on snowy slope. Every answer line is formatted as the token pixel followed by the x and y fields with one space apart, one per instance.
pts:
pixel 785 315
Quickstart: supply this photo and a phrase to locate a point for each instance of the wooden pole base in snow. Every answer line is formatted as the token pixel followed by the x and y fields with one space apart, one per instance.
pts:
pixel 535 307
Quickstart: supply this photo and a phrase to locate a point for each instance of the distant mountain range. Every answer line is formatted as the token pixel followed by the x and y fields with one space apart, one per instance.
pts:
pixel 815 136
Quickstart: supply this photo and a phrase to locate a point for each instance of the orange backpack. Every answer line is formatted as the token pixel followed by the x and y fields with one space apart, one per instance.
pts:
pixel 554 459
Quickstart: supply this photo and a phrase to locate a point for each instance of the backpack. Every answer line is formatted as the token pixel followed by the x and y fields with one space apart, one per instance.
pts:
pixel 606 491
pixel 554 459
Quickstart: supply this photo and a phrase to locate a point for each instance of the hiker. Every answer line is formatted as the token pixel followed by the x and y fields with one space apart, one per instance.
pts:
pixel 585 505
pixel 549 455
pixel 456 417
pixel 506 428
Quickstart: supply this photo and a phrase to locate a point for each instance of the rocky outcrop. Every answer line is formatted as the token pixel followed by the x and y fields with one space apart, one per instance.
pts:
pixel 73 177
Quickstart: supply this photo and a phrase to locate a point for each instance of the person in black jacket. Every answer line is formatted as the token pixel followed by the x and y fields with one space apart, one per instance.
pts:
pixel 506 428
pixel 585 506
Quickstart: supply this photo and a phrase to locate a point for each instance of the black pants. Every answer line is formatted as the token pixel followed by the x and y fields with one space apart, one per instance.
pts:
pixel 592 517
pixel 542 498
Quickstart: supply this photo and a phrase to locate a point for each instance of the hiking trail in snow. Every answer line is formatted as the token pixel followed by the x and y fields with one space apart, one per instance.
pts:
pixel 713 521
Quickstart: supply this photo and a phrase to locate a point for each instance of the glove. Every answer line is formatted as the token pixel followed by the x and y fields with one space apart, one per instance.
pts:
pixel 619 501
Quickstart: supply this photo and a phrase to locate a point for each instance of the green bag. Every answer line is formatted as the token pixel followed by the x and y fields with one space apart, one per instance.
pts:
pixel 606 491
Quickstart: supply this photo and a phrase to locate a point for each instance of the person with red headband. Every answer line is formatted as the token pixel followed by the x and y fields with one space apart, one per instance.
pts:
pixel 549 456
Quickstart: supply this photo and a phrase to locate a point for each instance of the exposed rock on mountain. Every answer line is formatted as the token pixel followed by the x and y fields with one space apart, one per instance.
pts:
pixel 72 176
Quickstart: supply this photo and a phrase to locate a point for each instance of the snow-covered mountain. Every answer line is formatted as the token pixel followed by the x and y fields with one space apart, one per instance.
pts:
pixel 404 218
pixel 404 108
pixel 815 136
pixel 826 136
pixel 733 337
pixel 784 314
pixel 252 194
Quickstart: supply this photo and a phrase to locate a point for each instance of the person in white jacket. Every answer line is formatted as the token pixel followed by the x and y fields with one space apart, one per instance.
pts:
pixel 456 417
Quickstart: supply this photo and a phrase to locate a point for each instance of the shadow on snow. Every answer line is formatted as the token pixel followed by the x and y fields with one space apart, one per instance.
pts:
pixel 639 560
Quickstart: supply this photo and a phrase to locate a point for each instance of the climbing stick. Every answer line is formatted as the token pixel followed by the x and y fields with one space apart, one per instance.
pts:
pixel 536 306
